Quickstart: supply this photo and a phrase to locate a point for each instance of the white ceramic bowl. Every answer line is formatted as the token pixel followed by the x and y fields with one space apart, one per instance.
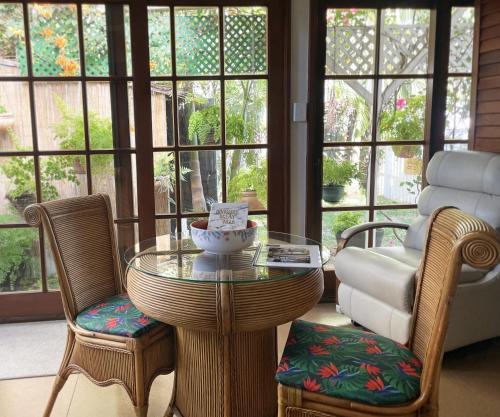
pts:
pixel 222 242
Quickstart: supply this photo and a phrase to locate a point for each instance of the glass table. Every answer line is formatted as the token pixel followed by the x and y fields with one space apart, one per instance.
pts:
pixel 225 312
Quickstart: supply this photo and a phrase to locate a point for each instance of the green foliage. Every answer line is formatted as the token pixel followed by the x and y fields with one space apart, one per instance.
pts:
pixel 251 178
pixel 3 109
pixel 164 172
pixel 338 173
pixel 19 269
pixel 204 126
pixel 345 220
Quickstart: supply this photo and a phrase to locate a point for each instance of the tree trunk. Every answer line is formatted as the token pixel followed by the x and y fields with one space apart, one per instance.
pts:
pixel 199 203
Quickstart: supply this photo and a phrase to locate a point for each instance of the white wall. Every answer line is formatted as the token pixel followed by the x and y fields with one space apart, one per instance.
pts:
pixel 298 131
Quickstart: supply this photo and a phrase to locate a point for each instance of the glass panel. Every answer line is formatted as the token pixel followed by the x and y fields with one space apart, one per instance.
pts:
pixel 348 110
pixel 164 177
pixel 462 36
pixel 246 111
pixel 59 115
pixel 246 177
pixel 131 116
pixel 262 223
pixel 99 116
pixel 458 108
pixel 350 41
pixel 95 39
pixel 346 176
pixel 198 106
pixel 17 187
pixel 12 40
pixel 456 147
pixel 112 172
pixel 197 40
pixel 15 116
pixel 54 39
pixel 160 61
pixel 393 237
pixel 203 185
pixel 20 260
pixel 245 40
pixel 50 266
pixel 404 41
pixel 162 113
pixel 398 174
pixel 335 222
pixel 166 227
pixel 402 110
pixel 128 41
pixel 63 176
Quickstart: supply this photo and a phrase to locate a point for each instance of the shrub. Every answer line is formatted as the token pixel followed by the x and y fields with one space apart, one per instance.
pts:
pixel 338 173
pixel 345 220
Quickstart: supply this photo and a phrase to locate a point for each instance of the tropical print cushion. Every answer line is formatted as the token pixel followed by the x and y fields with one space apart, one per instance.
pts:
pixel 116 315
pixel 349 363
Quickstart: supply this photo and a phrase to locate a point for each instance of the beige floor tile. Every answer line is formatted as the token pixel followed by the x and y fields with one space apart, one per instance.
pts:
pixel 27 397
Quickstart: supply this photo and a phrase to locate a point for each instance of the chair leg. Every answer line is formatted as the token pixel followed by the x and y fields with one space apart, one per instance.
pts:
pixel 58 384
pixel 141 411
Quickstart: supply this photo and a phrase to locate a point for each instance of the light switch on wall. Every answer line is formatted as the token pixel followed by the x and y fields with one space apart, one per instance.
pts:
pixel 300 112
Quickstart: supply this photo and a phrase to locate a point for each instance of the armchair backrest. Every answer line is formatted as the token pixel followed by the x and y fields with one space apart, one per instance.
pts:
pixel 454 238
pixel 467 180
pixel 81 235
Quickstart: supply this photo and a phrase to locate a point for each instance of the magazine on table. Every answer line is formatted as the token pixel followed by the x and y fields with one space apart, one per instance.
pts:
pixel 288 256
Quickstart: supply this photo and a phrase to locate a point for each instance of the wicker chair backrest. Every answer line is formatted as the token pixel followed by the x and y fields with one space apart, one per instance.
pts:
pixel 81 235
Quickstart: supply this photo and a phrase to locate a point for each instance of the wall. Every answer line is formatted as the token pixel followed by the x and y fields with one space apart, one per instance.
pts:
pixel 486 133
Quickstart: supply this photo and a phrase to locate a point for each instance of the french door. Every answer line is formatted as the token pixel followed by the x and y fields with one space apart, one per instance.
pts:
pixel 167 106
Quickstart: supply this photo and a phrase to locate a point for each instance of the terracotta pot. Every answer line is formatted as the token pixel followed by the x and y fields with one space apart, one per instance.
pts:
pixel 6 121
pixel 250 197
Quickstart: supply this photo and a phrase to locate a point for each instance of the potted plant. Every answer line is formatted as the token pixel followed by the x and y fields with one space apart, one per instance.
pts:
pixel 6 119
pixel 336 175
pixel 348 219
pixel 249 185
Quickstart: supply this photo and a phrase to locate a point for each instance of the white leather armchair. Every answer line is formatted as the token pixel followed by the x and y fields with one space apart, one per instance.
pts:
pixel 377 284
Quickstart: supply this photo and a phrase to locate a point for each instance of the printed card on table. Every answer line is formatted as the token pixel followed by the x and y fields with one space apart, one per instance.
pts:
pixel 228 216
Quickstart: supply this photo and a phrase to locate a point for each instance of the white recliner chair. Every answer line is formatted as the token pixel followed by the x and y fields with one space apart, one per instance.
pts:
pixel 377 285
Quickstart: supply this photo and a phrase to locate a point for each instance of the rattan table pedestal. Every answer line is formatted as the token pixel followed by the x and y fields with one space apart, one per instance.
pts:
pixel 225 330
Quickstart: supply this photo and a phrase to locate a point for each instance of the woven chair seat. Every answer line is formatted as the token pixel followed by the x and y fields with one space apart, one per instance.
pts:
pixel 117 316
pixel 349 363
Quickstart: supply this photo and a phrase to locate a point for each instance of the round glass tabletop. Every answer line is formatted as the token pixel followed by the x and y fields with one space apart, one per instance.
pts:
pixel 178 258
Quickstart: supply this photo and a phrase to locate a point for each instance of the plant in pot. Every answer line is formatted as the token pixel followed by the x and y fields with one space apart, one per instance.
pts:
pixel 347 219
pixel 404 122
pixel 6 119
pixel 249 185
pixel 336 176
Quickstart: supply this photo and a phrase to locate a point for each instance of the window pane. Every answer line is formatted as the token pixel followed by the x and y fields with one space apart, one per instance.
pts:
pixel 116 172
pixel 165 182
pixel 335 222
pixel 12 40
pixel 166 227
pixel 63 176
pixel 99 116
pixel 402 110
pixel 393 237
pixel 20 260
pixel 404 41
pixel 59 115
pixel 15 117
pixel 95 39
pixel 245 40
pixel 246 111
pixel 348 110
pixel 458 108
pixel 54 39
pixel 197 40
pixel 162 113
pixel 160 61
pixel 398 174
pixel 262 222
pixel 462 36
pixel 455 147
pixel 128 41
pixel 247 177
pixel 350 41
pixel 346 176
pixel 198 104
pixel 17 187
pixel 203 185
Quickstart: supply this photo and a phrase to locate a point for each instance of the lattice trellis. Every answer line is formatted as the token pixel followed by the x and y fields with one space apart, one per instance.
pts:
pixel 461 49
pixel 245 47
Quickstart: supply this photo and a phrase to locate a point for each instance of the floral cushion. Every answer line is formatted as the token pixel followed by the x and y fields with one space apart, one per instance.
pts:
pixel 349 363
pixel 116 315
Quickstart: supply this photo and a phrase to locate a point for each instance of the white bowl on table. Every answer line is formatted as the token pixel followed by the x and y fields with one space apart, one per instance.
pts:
pixel 222 241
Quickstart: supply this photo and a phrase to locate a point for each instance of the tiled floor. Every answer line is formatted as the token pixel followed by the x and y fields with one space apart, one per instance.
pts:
pixel 470 386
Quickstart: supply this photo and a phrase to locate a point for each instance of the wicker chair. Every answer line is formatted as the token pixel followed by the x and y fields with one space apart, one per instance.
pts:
pixel 453 238
pixel 82 238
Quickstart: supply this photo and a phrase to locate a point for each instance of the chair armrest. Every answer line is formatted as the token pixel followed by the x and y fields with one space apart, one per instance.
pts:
pixel 347 234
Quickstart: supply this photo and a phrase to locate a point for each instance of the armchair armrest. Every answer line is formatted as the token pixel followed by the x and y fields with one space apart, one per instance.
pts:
pixel 347 234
